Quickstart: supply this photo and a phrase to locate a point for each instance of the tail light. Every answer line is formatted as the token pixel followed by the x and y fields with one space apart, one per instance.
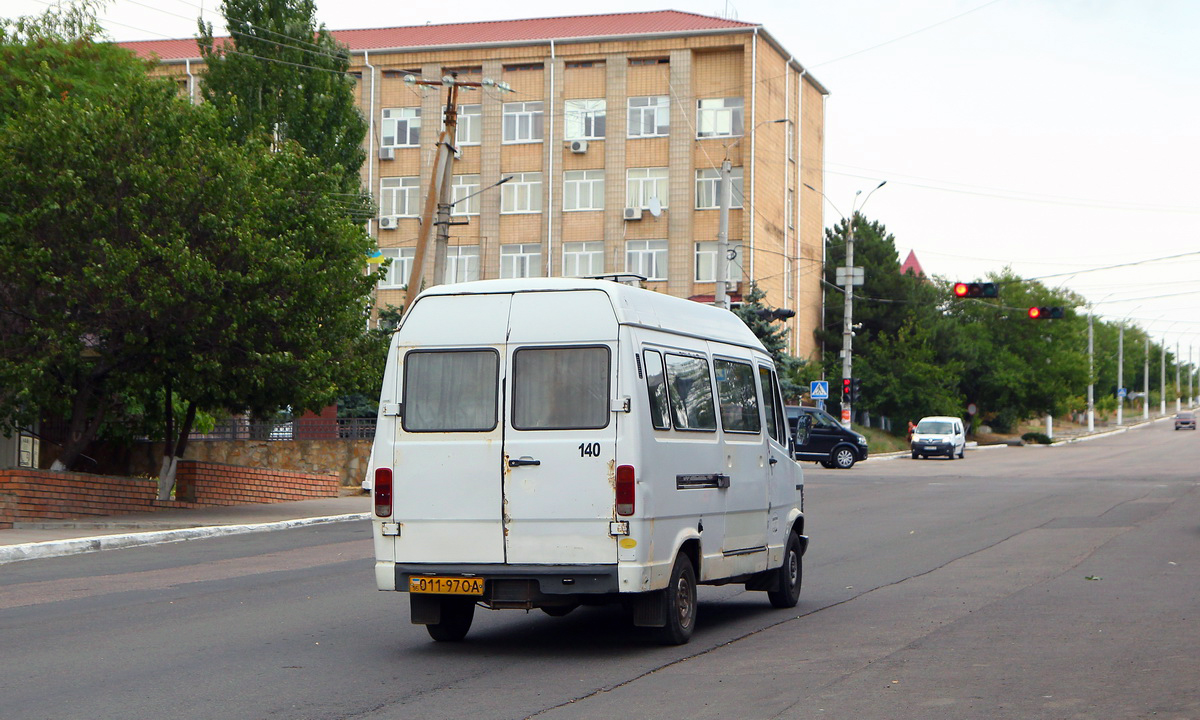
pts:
pixel 625 494
pixel 383 491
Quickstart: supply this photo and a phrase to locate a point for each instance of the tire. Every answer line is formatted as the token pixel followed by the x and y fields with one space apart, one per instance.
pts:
pixel 791 576
pixel 680 599
pixel 457 614
pixel 962 453
pixel 843 458
pixel 915 456
pixel 826 464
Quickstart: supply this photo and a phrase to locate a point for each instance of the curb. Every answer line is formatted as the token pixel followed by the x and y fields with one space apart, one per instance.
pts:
pixel 59 548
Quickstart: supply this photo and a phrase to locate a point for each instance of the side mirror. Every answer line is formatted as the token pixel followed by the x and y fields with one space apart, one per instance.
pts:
pixel 803 428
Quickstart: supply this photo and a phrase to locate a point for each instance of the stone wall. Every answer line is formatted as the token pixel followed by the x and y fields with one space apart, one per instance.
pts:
pixel 345 458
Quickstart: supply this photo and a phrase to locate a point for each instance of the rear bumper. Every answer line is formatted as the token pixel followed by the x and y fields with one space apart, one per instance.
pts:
pixel 521 583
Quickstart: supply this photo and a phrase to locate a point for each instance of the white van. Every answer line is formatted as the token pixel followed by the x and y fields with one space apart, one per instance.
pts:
pixel 939 435
pixel 550 443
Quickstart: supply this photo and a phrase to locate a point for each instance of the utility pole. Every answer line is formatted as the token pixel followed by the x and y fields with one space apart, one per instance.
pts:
pixel 1091 378
pixel 1162 379
pixel 1120 373
pixel 435 219
pixel 1178 385
pixel 1146 381
pixel 720 298
pixel 848 322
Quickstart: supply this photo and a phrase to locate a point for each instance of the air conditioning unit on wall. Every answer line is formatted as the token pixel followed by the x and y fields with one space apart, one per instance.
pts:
pixel 578 146
pixel 387 153
pixel 633 213
pixel 387 223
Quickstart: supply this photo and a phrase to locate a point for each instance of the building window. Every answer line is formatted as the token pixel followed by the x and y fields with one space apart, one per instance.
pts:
pixel 523 122
pixel 791 208
pixel 583 259
pixel 469 130
pixel 706 262
pixel 583 190
pixel 643 184
pixel 462 263
pixel 580 64
pixel 649 116
pixel 400 196
pixel 522 194
pixel 463 186
pixel 400 269
pixel 401 127
pixel 647 258
pixel 583 119
pixel 521 260
pixel 720 117
pixel 708 188
pixel 523 67
pixel 649 61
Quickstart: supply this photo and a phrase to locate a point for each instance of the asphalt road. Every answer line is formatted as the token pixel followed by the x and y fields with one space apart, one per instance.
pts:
pixel 1024 583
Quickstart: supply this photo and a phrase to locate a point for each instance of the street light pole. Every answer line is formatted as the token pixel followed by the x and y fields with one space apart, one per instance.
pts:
pixel 1162 378
pixel 1178 385
pixel 1120 373
pixel 720 293
pixel 1091 379
pixel 1146 381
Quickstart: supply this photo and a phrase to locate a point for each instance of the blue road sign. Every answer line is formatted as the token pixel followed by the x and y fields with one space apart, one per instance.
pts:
pixel 1122 392
pixel 819 389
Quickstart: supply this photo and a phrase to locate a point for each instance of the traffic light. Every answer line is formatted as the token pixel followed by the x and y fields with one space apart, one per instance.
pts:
pixel 1046 313
pixel 976 290
pixel 851 389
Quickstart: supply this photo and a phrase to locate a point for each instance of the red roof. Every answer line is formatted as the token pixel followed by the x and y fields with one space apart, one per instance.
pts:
pixel 487 33
pixel 912 263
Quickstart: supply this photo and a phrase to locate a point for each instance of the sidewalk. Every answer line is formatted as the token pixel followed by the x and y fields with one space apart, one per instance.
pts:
pixel 54 538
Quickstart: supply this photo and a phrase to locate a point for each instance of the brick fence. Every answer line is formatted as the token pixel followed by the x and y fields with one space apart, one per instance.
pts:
pixel 31 495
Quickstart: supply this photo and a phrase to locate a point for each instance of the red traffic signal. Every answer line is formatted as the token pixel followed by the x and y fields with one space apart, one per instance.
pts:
pixel 976 290
pixel 847 389
pixel 1046 313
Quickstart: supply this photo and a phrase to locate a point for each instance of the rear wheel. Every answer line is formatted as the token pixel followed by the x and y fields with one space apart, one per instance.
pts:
pixel 457 614
pixel 680 598
pixel 843 458
pixel 791 575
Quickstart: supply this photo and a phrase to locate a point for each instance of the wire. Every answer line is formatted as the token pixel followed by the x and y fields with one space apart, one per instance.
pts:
pixel 907 35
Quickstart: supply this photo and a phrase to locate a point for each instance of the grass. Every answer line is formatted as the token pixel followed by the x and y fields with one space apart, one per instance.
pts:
pixel 881 441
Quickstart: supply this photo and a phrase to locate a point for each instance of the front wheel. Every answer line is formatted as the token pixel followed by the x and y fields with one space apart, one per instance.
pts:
pixel 843 458
pixel 680 598
pixel 457 614
pixel 915 456
pixel 791 576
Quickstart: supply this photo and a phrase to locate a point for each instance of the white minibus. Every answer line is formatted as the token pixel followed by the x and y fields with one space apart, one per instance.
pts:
pixel 551 443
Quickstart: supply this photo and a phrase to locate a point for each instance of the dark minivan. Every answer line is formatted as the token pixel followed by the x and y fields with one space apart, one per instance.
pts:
pixel 828 442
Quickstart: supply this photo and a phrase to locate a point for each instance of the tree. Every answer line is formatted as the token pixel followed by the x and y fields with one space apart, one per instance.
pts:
pixel 147 254
pixel 283 77
pixel 793 372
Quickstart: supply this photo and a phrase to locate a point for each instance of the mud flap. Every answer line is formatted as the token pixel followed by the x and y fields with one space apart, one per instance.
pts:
pixel 425 609
pixel 650 609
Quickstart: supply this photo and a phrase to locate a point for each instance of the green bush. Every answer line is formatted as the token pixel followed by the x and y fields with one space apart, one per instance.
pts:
pixel 1037 437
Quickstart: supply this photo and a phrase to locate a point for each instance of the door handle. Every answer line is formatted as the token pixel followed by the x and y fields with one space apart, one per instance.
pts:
pixel 518 462
pixel 773 461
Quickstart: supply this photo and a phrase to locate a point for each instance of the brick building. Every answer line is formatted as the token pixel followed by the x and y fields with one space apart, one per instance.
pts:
pixel 613 129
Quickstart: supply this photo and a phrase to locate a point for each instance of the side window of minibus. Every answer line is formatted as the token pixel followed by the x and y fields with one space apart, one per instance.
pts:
pixel 656 385
pixel 770 406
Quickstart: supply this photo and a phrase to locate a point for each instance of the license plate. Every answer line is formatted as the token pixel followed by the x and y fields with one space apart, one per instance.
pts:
pixel 931 447
pixel 446 585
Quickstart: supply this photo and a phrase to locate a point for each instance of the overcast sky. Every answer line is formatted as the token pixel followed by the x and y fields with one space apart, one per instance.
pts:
pixel 1055 136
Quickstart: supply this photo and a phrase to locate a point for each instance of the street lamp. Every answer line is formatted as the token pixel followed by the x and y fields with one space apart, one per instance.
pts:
pixel 848 290
pixel 720 294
